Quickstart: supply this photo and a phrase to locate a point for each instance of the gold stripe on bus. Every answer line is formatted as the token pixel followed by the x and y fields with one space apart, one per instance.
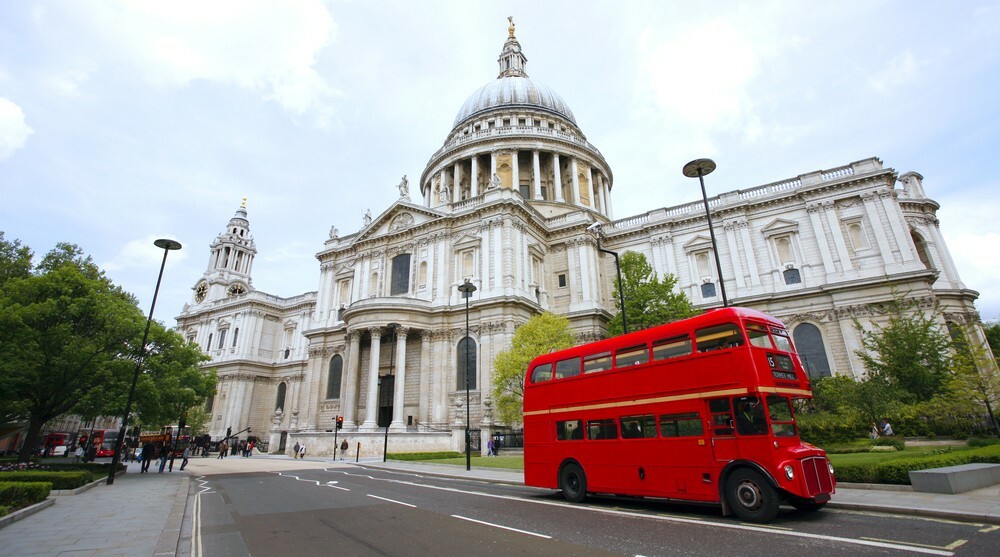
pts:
pixel 784 391
pixel 638 402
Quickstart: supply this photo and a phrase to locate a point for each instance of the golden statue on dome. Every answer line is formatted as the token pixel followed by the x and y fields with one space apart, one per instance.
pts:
pixel 244 204
pixel 510 30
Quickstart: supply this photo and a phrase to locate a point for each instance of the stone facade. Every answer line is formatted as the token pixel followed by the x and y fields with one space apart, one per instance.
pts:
pixel 508 204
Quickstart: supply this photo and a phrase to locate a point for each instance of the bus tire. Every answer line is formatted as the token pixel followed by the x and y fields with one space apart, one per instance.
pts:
pixel 751 497
pixel 573 483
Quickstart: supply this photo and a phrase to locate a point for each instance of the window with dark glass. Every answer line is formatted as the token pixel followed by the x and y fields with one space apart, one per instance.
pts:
pixel 466 368
pixel 400 274
pixel 812 352
pixel 236 333
pixel 708 290
pixel 541 373
pixel 792 276
pixel 758 335
pixel 638 427
pixel 568 368
pixel 680 425
pixel 279 403
pixel 750 418
pixel 722 416
pixel 782 420
pixel 569 430
pixel 562 280
pixel 335 377
pixel 222 338
pixel 602 429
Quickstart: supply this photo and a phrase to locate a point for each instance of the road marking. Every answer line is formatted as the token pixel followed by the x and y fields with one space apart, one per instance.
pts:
pixel 989 529
pixel 954 545
pixel 327 484
pixel 730 526
pixel 502 527
pixel 196 527
pixel 392 501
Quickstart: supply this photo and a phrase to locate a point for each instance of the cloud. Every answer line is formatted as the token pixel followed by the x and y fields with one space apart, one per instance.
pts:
pixel 14 130
pixel 140 254
pixel 265 46
pixel 899 70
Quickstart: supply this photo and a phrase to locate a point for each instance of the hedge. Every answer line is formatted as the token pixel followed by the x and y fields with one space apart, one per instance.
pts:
pixel 16 495
pixel 58 480
pixel 897 471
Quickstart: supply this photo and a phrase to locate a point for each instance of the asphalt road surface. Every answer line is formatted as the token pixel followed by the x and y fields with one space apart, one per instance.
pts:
pixel 344 509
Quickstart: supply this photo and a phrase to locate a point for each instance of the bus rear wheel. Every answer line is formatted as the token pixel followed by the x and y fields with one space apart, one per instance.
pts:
pixel 751 497
pixel 573 483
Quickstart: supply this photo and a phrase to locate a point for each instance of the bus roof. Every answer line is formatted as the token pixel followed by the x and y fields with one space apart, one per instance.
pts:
pixel 710 317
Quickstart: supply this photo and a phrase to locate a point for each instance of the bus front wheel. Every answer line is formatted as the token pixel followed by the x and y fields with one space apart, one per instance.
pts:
pixel 573 483
pixel 751 497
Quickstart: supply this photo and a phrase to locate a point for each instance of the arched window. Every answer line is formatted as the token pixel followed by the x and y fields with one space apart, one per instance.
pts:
pixel 466 366
pixel 279 403
pixel 809 343
pixel 922 253
pixel 336 373
pixel 400 275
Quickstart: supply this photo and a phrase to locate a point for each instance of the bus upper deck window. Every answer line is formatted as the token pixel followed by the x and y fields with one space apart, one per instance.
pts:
pixel 568 368
pixel 631 356
pixel 758 335
pixel 718 337
pixel 541 373
pixel 671 348
pixel 781 339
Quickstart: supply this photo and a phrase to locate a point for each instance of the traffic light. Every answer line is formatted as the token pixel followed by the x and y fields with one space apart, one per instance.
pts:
pixel 340 422
pixel 229 432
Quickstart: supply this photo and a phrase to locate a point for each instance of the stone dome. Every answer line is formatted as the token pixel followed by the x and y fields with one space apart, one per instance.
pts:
pixel 514 92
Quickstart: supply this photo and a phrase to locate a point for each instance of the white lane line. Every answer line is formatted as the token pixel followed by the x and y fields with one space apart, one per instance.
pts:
pixel 392 501
pixel 327 484
pixel 502 527
pixel 196 527
pixel 730 526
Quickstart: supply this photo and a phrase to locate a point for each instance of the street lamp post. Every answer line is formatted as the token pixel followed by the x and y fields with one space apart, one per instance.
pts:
pixel 701 168
pixel 392 359
pixel 167 245
pixel 467 288
pixel 596 228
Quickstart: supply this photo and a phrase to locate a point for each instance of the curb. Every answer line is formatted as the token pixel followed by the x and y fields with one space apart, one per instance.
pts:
pixel 26 512
pixel 169 539
pixel 915 511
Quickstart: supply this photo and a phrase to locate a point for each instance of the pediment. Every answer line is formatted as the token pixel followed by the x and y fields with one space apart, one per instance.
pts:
pixel 399 217
pixel 468 241
pixel 698 243
pixel 779 226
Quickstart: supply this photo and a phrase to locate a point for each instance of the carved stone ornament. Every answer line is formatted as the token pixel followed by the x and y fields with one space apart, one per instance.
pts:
pixel 401 222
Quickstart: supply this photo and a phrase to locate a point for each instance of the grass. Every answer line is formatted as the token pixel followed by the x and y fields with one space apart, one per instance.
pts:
pixel 503 462
pixel 876 457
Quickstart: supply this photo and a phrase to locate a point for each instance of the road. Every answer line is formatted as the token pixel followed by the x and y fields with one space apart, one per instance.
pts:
pixel 345 509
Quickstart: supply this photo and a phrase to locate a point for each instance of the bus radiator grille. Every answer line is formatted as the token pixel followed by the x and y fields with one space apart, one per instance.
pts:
pixel 817 476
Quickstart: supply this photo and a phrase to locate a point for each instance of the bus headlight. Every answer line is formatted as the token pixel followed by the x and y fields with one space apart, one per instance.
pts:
pixel 829 466
pixel 789 472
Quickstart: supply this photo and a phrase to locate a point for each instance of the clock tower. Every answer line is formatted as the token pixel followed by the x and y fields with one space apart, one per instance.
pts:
pixel 230 263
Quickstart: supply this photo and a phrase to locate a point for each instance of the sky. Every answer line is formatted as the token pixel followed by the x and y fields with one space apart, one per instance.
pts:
pixel 124 122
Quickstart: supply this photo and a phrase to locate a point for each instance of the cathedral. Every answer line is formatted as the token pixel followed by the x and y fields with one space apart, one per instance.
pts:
pixel 502 225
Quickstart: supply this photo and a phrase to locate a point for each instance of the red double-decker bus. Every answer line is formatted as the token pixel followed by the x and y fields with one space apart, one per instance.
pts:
pixel 695 410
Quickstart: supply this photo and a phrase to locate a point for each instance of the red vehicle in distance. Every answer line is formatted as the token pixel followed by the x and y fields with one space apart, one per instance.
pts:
pixel 695 410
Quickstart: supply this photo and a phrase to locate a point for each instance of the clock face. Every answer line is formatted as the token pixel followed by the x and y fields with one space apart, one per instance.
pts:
pixel 237 289
pixel 200 292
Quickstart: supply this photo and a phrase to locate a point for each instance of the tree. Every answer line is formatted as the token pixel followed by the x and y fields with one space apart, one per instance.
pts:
pixel 15 260
pixel 172 381
pixel 649 300
pixel 992 331
pixel 541 334
pixel 910 352
pixel 975 383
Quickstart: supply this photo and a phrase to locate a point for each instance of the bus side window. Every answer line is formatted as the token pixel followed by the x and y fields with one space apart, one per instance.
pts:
pixel 671 348
pixel 681 425
pixel 722 416
pixel 568 368
pixel 758 335
pixel 718 337
pixel 541 373
pixel 602 429
pixel 569 430
pixel 638 427
pixel 597 362
pixel 631 356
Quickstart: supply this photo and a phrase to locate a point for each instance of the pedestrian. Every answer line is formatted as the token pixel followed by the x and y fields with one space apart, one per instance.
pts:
pixel 250 447
pixel 184 456
pixel 223 447
pixel 302 451
pixel 343 448
pixel 490 448
pixel 873 434
pixel 886 428
pixel 78 453
pixel 164 453
pixel 147 457
pixel 295 450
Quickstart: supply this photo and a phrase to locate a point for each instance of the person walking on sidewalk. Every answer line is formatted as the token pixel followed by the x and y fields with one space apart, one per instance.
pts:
pixel 184 456
pixel 147 457
pixel 302 451
pixel 295 450
pixel 343 448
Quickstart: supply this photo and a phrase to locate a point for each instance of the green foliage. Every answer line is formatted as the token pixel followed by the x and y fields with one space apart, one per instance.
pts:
pixel 896 442
pixel 992 331
pixel 649 300
pixel 16 495
pixel 896 470
pixel 849 447
pixel 822 429
pixel 908 358
pixel 541 334
pixel 15 260
pixel 983 441
pixel 58 480
pixel 424 456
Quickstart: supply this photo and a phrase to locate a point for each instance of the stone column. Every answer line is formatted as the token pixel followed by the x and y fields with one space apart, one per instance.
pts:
pixel 868 199
pixel 399 385
pixel 838 236
pixel 557 178
pixel 821 238
pixel 895 217
pixel 536 182
pixel 734 254
pixel 426 377
pixel 456 173
pixel 474 179
pixel 753 271
pixel 515 170
pixel 574 194
pixel 371 404
pixel 350 390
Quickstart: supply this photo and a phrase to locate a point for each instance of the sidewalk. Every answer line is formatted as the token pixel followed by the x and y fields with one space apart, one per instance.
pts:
pixel 143 514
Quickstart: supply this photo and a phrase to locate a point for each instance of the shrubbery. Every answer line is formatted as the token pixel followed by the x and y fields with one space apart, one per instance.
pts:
pixel 16 495
pixel 57 480
pixel 897 471
pixel 896 442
